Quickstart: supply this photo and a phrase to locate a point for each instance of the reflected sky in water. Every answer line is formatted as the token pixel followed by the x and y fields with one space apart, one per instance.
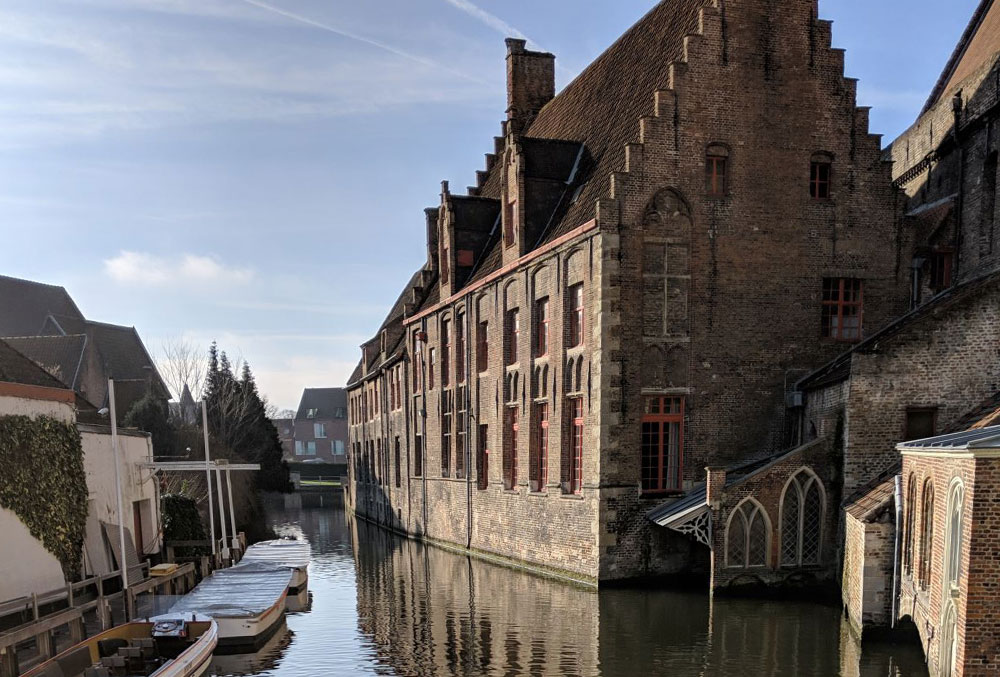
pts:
pixel 381 605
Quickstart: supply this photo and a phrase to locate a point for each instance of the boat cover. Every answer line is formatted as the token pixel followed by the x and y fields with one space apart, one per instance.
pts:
pixel 246 590
pixel 283 552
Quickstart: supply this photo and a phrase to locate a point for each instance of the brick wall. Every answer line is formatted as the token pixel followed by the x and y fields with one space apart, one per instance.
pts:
pixel 866 584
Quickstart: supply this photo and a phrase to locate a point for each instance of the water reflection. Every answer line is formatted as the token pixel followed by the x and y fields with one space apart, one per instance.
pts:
pixel 383 605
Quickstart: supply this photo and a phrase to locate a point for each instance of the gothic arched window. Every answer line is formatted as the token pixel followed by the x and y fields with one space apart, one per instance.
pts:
pixel 748 536
pixel 926 534
pixel 802 508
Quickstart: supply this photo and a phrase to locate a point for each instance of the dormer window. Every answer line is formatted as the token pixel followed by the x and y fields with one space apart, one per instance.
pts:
pixel 312 413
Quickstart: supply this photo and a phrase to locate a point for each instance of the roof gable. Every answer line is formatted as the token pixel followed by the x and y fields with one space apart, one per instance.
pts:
pixel 25 307
pixel 60 356
pixel 321 403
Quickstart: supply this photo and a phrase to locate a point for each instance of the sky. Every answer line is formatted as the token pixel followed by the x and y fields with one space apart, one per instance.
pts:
pixel 254 172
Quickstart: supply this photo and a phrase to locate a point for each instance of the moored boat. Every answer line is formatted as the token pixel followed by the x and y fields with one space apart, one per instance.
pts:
pixel 247 602
pixel 294 554
pixel 173 646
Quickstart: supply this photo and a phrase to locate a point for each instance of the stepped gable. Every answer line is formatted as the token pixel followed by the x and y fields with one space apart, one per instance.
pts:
pixel 28 308
pixel 602 107
pixel 60 356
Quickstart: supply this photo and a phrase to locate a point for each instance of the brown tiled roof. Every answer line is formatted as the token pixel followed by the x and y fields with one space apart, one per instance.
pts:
pixel 979 42
pixel 986 414
pixel 873 501
pixel 60 356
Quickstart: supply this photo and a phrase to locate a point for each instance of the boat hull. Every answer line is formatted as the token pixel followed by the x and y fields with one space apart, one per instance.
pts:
pixel 247 634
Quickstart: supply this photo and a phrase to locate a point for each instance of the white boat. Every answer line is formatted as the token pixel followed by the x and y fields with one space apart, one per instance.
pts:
pixel 294 554
pixel 247 602
pixel 170 647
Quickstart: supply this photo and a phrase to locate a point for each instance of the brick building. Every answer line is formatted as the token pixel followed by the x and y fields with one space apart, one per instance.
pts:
pixel 645 267
pixel 319 430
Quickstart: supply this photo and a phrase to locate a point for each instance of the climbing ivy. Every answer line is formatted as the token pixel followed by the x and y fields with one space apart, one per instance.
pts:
pixel 43 482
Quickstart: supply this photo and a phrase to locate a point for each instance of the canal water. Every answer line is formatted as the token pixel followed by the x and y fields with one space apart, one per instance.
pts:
pixel 382 605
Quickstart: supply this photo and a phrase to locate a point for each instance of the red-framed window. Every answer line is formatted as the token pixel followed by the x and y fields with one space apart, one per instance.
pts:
pixel 843 309
pixel 418 456
pixel 540 452
pixel 575 483
pixel 460 348
pixel 942 262
pixel 575 315
pixel 483 466
pixel 445 353
pixel 512 424
pixel 542 327
pixel 430 370
pixel 513 334
pixel 716 165
pixel 483 347
pixel 662 444
pixel 820 178
pixel 446 432
pixel 460 421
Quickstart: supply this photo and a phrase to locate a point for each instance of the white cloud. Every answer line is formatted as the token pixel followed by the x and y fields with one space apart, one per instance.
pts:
pixel 147 269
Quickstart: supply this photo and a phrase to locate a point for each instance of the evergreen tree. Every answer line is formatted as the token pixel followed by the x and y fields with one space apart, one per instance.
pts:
pixel 152 415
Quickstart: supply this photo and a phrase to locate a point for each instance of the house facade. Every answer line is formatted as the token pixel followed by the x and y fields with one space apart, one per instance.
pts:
pixel 319 430
pixel 628 294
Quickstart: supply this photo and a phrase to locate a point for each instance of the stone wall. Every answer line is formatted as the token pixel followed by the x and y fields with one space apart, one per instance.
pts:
pixel 866 583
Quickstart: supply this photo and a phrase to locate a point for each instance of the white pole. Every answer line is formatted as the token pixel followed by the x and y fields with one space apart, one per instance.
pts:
pixel 222 511
pixel 208 476
pixel 232 513
pixel 118 483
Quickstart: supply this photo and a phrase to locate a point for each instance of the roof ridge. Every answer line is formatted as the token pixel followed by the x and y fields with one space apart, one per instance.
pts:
pixel 956 56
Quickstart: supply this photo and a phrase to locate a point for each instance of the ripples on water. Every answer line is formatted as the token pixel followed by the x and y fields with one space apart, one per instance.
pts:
pixel 381 605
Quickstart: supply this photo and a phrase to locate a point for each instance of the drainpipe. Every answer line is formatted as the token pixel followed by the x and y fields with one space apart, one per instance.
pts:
pixel 898 496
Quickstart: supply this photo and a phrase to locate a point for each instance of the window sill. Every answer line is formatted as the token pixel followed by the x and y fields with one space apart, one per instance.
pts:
pixel 538 494
pixel 572 497
pixel 512 492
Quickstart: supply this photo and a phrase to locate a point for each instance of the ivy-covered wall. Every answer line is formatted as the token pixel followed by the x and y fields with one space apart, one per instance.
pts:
pixel 42 481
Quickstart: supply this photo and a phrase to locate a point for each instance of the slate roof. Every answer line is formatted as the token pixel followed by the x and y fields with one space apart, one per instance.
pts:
pixel 124 355
pixel 983 438
pixel 60 356
pixel 324 400
pixel 25 307
pixel 17 368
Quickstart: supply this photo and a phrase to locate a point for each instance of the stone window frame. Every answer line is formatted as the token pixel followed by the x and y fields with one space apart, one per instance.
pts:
pixel 576 426
pixel 512 426
pixel 802 494
pixel 543 323
pixel 926 534
pixel 575 315
pixel 539 456
pixel 759 511
pixel 911 518
pixel 953 548
pixel 662 418
pixel 446 334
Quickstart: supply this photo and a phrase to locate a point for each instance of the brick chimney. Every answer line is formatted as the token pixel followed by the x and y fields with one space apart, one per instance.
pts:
pixel 715 485
pixel 531 83
pixel 432 238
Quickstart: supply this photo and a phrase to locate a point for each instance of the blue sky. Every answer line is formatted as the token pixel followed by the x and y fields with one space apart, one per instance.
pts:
pixel 255 172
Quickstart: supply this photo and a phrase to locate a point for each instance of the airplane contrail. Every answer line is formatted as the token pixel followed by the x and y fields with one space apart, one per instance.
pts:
pixel 360 38
pixel 491 20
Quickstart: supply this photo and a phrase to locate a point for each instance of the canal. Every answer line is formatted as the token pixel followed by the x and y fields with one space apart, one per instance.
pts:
pixel 381 605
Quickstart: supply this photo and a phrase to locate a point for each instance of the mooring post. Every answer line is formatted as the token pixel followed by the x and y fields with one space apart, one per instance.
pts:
pixel 8 662
pixel 77 630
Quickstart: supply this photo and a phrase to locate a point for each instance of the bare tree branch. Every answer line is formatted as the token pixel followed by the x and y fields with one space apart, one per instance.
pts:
pixel 181 364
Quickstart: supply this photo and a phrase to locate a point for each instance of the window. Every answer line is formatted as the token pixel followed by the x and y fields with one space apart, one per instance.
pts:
pixel 921 423
pixel 953 559
pixel 747 537
pixel 483 465
pixel 460 435
pixel 339 412
pixel 911 517
pixel 399 481
pixel 926 535
pixel 540 451
pixel 445 353
pixel 820 176
pixel 446 410
pixel 430 370
pixel 541 327
pixel 576 315
pixel 802 507
pixel 310 448
pixel 483 347
pixel 418 360
pixel 510 449
pixel 399 386
pixel 445 264
pixel 460 348
pixel 510 221
pixel 941 266
pixel 662 444
pixel 513 332
pixel 842 309
pixel 299 448
pixel 319 430
pixel 338 447
pixel 574 467
pixel 715 171
pixel 312 413
pixel 418 456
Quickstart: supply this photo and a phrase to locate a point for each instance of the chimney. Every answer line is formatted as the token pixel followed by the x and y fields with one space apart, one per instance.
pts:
pixel 531 83
pixel 432 237
pixel 715 485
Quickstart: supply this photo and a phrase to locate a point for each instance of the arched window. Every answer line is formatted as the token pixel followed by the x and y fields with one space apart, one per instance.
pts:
pixel 748 536
pixel 802 508
pixel 926 534
pixel 716 170
pixel 911 518
pixel 953 560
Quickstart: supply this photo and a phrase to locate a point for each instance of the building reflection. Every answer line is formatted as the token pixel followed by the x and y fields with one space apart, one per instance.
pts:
pixel 428 611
